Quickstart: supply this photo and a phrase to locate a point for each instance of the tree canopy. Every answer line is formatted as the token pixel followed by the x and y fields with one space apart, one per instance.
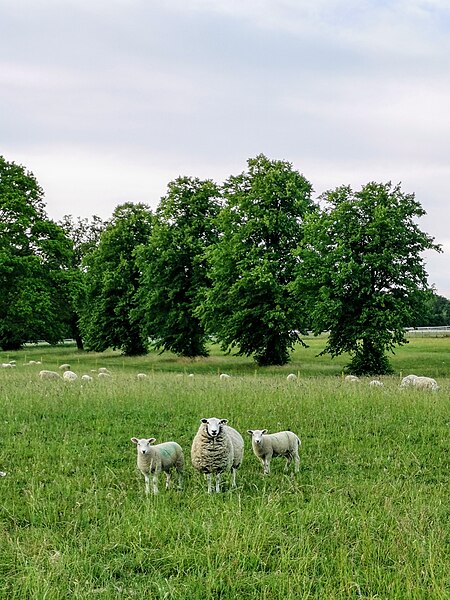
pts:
pixel 249 304
pixel 111 282
pixel 173 266
pixel 35 259
pixel 364 252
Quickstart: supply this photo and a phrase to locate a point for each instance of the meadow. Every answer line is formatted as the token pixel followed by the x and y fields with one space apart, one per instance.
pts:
pixel 368 516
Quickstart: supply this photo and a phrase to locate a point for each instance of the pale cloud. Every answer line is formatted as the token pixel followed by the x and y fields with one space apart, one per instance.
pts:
pixel 107 101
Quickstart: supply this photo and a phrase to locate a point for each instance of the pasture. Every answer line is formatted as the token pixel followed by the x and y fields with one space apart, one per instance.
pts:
pixel 368 516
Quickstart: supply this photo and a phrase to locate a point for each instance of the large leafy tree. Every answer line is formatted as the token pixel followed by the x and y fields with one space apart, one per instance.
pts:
pixel 35 259
pixel 85 235
pixel 107 318
pixel 173 266
pixel 250 306
pixel 362 272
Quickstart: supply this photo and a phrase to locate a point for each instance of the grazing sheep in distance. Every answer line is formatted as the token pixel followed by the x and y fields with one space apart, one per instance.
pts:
pixel 70 376
pixel 269 445
pixel 155 459
pixel 64 367
pixel 103 375
pixel 49 374
pixel 2 474
pixel 217 448
pixel 86 378
pixel 141 376
pixel 224 376
pixel 376 383
pixel 104 370
pixel 421 383
pixel 291 377
pixel 351 378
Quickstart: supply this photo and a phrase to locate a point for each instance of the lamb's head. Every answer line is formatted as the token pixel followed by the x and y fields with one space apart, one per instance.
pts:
pixel 257 435
pixel 213 426
pixel 143 445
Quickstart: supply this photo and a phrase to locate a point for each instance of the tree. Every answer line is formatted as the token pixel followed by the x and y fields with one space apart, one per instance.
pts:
pixel 173 266
pixel 361 272
pixel 107 318
pixel 35 258
pixel 250 305
pixel 85 236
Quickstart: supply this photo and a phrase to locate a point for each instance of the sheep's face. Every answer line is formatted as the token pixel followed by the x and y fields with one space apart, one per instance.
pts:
pixel 257 435
pixel 143 445
pixel 213 426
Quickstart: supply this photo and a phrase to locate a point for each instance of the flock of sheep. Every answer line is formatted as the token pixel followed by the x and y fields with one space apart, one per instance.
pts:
pixel 216 448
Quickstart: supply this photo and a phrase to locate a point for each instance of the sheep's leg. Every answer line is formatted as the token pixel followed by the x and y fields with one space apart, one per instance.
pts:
pixel 233 477
pixel 288 461
pixel 208 477
pixel 168 480
pixel 180 480
pixel 217 483
pixel 155 482
pixel 266 463
pixel 147 483
pixel 296 463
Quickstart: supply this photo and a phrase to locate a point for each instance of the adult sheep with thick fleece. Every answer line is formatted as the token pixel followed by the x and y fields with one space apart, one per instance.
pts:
pixel 216 449
pixel 269 445
pixel 44 374
pixel 154 459
pixel 421 383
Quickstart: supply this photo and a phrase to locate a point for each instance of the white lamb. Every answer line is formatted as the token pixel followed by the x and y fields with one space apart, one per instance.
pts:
pixel 103 375
pixel 49 374
pixel 421 383
pixel 86 378
pixel 155 459
pixel 65 367
pixel 216 449
pixel 224 376
pixel 104 370
pixel 141 376
pixel 291 377
pixel 70 376
pixel 269 445
pixel 351 378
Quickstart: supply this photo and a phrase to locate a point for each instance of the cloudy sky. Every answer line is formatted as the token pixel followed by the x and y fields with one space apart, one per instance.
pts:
pixel 106 101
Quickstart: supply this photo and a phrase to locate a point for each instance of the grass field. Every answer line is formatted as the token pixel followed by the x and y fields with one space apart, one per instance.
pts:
pixel 368 516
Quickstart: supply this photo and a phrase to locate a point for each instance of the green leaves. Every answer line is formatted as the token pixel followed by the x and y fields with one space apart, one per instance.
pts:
pixel 249 303
pixel 364 251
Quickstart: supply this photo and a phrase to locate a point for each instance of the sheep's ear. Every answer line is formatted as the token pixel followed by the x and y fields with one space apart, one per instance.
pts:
pixel 203 420
pixel 151 440
pixel 223 421
pixel 264 431
pixel 250 431
pixel 134 440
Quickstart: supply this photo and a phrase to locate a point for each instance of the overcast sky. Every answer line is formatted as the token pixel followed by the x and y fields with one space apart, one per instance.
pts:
pixel 106 101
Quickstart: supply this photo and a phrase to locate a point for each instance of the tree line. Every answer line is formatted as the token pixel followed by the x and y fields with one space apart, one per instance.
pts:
pixel 254 264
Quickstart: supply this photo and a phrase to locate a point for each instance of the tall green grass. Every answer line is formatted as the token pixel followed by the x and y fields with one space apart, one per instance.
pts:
pixel 368 516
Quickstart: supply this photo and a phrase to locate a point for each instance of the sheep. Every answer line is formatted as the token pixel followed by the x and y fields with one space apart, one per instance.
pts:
pixel 217 448
pixel 103 375
pixel 49 374
pixel 291 377
pixel 70 376
pixel 224 376
pixel 141 376
pixel 161 457
pixel 2 474
pixel 376 383
pixel 86 378
pixel 7 365
pixel 421 383
pixel 351 378
pixel 65 367
pixel 104 370
pixel 269 445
